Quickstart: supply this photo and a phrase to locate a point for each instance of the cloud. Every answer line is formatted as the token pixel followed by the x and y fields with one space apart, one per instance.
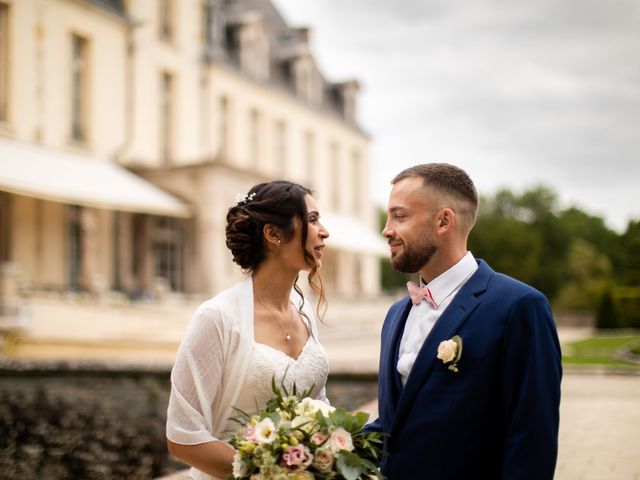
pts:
pixel 518 92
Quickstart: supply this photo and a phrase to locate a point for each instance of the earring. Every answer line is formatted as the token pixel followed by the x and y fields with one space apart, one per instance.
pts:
pixel 279 242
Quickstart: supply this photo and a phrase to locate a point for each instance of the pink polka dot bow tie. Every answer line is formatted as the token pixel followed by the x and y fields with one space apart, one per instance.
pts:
pixel 418 294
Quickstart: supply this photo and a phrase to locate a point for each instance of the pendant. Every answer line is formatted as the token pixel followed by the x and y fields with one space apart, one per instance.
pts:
pixel 288 337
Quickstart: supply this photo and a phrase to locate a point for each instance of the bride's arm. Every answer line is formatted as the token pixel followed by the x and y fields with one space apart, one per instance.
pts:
pixel 194 402
pixel 214 458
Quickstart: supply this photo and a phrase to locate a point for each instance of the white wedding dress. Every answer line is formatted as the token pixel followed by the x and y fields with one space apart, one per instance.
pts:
pixel 308 371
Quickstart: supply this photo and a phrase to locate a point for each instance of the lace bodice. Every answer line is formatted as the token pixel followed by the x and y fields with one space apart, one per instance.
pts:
pixel 310 369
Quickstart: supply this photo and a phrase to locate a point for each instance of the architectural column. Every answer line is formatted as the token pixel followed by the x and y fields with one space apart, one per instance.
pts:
pixel 89 249
pixel 124 253
pixel 370 274
pixel 346 273
pixel 143 249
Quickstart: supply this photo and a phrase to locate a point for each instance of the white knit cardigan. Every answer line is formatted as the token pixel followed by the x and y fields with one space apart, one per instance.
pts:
pixel 211 366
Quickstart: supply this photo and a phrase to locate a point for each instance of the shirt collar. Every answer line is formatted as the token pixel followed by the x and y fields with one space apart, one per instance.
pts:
pixel 444 284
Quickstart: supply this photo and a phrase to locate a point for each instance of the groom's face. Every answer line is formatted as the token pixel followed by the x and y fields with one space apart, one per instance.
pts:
pixel 410 227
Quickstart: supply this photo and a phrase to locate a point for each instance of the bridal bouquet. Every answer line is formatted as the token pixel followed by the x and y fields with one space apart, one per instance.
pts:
pixel 299 438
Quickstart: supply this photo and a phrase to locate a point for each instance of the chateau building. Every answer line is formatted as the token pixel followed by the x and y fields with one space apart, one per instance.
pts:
pixel 128 126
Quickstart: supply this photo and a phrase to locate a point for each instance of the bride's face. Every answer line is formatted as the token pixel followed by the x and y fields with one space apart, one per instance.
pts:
pixel 316 235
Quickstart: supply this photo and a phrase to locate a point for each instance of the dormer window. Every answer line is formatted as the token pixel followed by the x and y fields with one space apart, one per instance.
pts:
pixel 248 45
pixel 346 93
pixel 298 67
pixel 212 29
pixel 166 10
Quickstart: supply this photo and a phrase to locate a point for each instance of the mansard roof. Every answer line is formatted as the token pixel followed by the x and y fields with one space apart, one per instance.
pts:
pixel 285 44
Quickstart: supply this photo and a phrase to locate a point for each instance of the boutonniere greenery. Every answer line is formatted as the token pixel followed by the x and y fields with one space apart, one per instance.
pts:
pixel 450 351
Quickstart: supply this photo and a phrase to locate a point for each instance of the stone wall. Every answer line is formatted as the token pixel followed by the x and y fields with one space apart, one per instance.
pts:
pixel 79 420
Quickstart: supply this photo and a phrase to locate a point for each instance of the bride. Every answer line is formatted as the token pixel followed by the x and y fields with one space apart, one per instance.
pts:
pixel 240 339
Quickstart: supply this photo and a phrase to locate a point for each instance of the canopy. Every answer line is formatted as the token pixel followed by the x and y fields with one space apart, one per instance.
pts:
pixel 56 175
pixel 347 233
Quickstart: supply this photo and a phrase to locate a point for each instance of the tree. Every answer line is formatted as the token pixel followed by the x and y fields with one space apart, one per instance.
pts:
pixel 589 274
pixel 389 278
pixel 626 257
pixel 607 314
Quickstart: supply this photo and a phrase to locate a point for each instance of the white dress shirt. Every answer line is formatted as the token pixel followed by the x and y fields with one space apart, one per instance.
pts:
pixel 422 317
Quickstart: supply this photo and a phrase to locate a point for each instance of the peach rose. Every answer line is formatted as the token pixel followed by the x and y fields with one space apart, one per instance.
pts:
pixel 447 351
pixel 323 460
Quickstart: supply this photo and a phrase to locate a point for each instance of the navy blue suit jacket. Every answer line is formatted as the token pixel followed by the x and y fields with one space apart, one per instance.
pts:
pixel 498 416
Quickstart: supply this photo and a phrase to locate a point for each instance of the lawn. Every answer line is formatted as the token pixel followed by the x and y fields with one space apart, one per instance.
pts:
pixel 603 351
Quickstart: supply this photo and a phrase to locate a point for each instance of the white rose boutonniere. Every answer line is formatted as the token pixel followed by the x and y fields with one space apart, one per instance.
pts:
pixel 450 351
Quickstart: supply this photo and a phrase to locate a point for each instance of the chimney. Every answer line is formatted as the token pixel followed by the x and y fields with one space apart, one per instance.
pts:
pixel 303 34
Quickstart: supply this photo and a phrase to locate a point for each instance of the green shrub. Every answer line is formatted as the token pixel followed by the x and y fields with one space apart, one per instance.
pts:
pixel 607 315
pixel 627 302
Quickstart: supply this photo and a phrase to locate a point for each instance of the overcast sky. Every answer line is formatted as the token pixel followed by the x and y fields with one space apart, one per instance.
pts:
pixel 518 93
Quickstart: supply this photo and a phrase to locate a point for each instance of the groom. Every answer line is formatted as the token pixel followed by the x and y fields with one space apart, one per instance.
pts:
pixel 469 382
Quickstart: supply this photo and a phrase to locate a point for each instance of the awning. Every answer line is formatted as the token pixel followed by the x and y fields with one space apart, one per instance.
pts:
pixel 347 233
pixel 52 174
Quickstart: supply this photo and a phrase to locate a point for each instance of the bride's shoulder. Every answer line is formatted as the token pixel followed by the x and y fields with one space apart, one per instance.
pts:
pixel 223 307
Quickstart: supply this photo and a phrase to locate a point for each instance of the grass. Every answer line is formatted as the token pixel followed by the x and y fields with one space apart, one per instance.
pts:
pixel 603 351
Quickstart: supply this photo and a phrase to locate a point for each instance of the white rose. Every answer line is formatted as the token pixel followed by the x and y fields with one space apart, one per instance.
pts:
pixel 302 421
pixel 311 406
pixel 324 407
pixel 447 350
pixel 304 406
pixel 265 431
pixel 340 439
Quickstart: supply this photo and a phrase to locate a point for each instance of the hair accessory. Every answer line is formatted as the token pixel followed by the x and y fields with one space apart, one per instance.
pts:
pixel 241 198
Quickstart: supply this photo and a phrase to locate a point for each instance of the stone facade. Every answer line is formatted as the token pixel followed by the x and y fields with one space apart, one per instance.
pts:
pixel 201 98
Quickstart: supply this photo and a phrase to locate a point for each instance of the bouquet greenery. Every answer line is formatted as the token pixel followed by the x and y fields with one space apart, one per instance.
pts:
pixel 298 438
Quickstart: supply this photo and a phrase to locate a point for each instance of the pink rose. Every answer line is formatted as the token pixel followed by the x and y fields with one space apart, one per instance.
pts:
pixel 340 439
pixel 297 456
pixel 319 438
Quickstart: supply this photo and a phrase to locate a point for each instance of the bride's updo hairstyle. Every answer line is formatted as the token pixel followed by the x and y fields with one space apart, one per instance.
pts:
pixel 274 203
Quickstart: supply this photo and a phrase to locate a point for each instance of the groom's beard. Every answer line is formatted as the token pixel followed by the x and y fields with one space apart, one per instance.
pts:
pixel 412 259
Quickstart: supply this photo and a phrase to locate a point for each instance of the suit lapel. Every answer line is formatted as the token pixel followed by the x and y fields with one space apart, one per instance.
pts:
pixel 449 323
pixel 389 356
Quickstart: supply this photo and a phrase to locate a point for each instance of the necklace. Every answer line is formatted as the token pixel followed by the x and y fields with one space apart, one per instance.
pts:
pixel 285 330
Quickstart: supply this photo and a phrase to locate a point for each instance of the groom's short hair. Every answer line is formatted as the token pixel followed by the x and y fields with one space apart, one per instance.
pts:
pixel 451 182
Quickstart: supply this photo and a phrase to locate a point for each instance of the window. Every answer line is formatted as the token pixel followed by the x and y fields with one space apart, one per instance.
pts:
pixel 334 165
pixel 206 32
pixel 166 118
pixel 280 148
pixel 4 61
pixel 79 87
pixel 254 137
pixel 223 126
pixel 309 159
pixel 168 249
pixel 211 30
pixel 358 183
pixel 166 18
pixel 5 227
pixel 74 247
